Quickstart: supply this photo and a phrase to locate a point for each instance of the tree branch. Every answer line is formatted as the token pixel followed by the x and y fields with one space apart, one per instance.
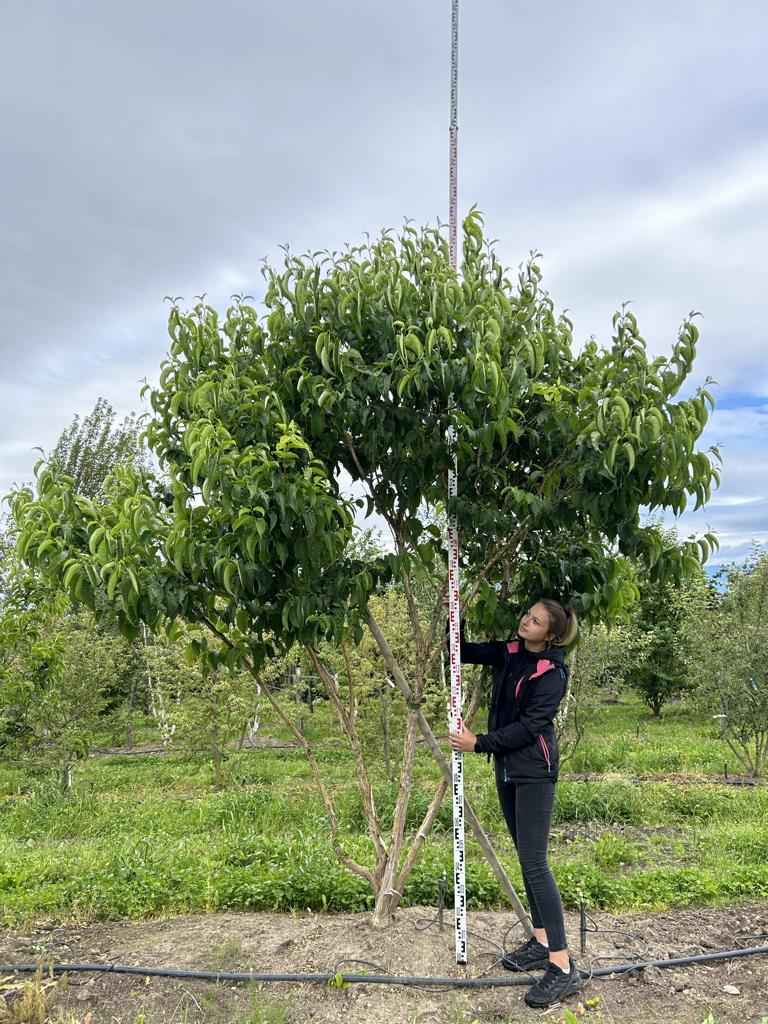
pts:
pixel 358 869
pixel 413 614
pixel 366 789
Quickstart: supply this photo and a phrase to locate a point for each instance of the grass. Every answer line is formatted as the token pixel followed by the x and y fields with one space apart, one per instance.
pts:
pixel 630 739
pixel 147 835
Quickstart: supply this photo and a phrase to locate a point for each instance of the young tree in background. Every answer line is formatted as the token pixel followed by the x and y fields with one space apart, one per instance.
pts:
pixel 598 669
pixel 657 654
pixel 729 660
pixel 51 680
pixel 353 369
pixel 89 449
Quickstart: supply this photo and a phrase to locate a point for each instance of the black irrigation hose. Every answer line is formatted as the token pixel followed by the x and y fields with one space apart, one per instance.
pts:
pixel 369 979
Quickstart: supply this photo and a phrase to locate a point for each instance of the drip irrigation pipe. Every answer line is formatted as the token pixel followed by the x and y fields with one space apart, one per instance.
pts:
pixel 369 979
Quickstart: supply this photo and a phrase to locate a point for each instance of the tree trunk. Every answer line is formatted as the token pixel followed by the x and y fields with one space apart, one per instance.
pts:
pixel 131 708
pixel 445 767
pixel 385 702
pixel 384 910
pixel 389 896
pixel 760 751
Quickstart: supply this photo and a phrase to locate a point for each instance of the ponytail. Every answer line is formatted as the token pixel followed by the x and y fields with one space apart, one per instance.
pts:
pixel 563 621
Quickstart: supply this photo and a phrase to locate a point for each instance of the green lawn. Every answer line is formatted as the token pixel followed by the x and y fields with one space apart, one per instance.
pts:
pixel 147 835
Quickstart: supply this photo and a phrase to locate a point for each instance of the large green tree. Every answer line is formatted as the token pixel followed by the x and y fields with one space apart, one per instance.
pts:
pixel 359 363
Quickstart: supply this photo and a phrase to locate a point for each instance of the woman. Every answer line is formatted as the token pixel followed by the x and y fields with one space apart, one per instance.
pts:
pixel 531 681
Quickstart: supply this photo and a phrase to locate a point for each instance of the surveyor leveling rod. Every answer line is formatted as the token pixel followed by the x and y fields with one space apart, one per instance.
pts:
pixel 459 873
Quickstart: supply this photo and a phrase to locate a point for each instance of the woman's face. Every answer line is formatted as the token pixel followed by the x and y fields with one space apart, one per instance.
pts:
pixel 534 625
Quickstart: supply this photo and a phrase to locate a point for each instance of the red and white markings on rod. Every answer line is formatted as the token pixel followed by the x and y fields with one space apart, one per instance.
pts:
pixel 456 725
pixel 454 635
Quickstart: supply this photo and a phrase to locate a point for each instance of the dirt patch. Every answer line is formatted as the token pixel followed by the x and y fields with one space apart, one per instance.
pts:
pixel 254 743
pixel 326 943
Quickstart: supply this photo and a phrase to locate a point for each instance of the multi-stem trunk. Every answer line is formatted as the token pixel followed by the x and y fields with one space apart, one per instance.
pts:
pixel 387 880
pixel 389 895
pixel 434 746
pixel 385 702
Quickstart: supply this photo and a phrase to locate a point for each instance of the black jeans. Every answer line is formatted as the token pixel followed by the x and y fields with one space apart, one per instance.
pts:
pixel 527 808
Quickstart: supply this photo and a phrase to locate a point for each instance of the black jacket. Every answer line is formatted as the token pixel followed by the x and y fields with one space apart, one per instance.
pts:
pixel 527 691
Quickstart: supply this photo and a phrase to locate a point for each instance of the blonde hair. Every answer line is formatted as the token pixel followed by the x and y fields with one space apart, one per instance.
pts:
pixel 563 622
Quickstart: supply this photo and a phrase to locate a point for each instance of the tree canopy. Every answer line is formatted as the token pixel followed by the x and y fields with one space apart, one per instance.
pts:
pixel 352 367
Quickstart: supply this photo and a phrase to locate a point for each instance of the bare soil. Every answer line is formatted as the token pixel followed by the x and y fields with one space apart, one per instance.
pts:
pixel 325 943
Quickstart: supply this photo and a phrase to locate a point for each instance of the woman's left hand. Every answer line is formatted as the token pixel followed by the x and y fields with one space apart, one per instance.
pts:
pixel 464 741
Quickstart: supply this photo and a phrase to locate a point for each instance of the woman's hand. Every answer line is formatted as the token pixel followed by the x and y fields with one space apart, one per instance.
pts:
pixel 447 602
pixel 464 741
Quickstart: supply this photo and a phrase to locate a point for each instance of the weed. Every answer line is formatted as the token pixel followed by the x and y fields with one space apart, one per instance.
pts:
pixel 224 956
pixel 266 1010
pixel 31 1000
pixel 613 852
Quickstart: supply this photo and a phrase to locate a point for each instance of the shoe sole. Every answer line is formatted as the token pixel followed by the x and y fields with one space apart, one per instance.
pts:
pixel 576 987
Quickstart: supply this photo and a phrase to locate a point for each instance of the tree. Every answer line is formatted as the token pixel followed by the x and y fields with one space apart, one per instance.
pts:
pixel 360 364
pixel 51 684
pixel 657 655
pixel 729 660
pixel 89 450
pixel 28 660
pixel 598 668
pixel 205 714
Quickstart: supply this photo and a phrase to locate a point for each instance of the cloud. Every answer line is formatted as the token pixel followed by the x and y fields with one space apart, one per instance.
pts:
pixel 154 149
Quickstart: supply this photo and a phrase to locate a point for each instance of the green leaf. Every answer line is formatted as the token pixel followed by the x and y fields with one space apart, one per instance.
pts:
pixel 93 543
pixel 426 552
pixel 250 546
pixel 229 571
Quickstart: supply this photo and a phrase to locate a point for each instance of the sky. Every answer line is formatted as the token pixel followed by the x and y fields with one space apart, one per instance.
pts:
pixel 165 148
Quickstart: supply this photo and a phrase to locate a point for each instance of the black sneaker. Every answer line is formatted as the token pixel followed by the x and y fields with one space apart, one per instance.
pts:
pixel 554 986
pixel 532 956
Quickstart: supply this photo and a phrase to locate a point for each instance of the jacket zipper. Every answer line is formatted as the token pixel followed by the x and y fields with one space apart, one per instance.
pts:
pixel 545 750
